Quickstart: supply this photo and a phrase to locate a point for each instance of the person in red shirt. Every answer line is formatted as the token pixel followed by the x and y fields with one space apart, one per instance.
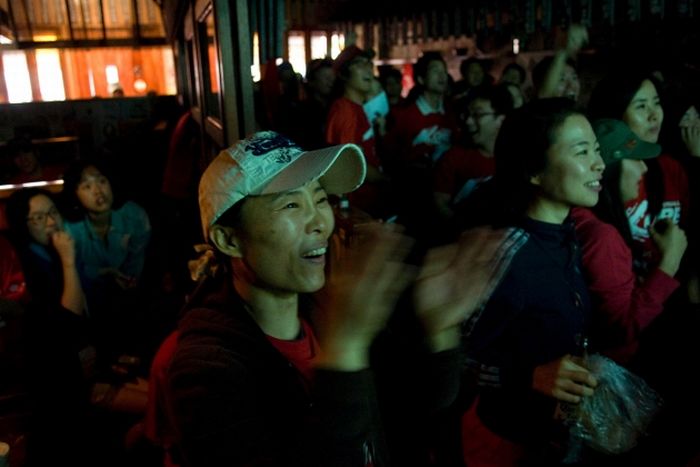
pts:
pixel 624 304
pixel 468 164
pixel 348 123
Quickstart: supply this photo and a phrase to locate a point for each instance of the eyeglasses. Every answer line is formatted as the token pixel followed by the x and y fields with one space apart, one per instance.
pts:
pixel 39 218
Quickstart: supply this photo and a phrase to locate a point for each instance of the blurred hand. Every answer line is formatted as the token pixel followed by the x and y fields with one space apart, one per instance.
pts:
pixel 65 247
pixel 577 37
pixel 691 138
pixel 672 242
pixel 564 380
pixel 360 294
pixel 453 282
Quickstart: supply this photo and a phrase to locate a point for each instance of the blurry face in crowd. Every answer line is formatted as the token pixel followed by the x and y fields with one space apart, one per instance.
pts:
pixel 361 77
pixel 511 76
pixel 435 80
pixel 43 219
pixel 26 162
pixel 475 75
pixel 631 174
pixel 323 80
pixel 393 88
pixel 573 172
pixel 483 124
pixel 690 118
pixel 644 114
pixel 94 191
pixel 569 85
pixel 283 239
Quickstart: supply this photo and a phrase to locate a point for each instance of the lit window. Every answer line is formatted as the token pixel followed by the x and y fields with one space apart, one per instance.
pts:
pixel 255 67
pixel 19 87
pixel 297 53
pixel 319 45
pixel 48 66
pixel 112 73
pixel 337 44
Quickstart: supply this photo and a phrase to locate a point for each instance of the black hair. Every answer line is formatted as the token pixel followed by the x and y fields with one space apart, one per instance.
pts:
pixel 610 99
pixel 389 72
pixel 232 216
pixel 315 66
pixel 420 70
pixel 521 151
pixel 70 203
pixel 17 212
pixel 514 66
pixel 498 96
pixel 466 63
pixel 611 208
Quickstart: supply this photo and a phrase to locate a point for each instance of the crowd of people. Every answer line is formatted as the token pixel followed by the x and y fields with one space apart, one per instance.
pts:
pixel 388 278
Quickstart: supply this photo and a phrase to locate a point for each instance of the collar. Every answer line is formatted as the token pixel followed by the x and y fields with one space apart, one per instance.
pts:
pixel 426 109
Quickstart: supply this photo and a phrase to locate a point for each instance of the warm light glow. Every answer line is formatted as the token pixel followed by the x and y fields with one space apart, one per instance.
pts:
pixel 5 40
pixel 516 46
pixel 140 85
pixel 255 67
pixel 337 44
pixel 19 186
pixel 48 64
pixel 112 73
pixel 19 87
pixel 45 38
pixel 319 45
pixel 297 52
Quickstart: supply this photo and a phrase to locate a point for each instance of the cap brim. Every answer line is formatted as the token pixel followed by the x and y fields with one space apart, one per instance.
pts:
pixel 339 169
pixel 645 150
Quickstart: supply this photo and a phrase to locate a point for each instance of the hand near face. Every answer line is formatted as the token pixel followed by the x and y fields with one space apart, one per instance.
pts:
pixel 65 247
pixel 691 138
pixel 454 282
pixel 576 38
pixel 360 295
pixel 564 380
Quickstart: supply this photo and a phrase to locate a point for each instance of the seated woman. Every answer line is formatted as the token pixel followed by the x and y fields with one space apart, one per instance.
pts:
pixel 623 303
pixel 547 162
pixel 60 358
pixel 111 240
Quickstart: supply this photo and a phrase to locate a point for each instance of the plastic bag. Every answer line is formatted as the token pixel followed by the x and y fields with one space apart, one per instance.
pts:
pixel 618 413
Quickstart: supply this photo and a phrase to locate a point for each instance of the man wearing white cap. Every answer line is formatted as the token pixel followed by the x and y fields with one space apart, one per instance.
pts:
pixel 251 381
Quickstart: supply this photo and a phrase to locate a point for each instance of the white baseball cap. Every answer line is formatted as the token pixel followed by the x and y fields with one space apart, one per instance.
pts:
pixel 267 163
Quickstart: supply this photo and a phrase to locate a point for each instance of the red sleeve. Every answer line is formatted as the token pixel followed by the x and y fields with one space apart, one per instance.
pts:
pixel 342 125
pixel 625 306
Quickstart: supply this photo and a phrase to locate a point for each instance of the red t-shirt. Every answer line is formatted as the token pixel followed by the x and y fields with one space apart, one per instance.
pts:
pixel 676 200
pixel 419 134
pixel 300 352
pixel 460 170
pixel 347 123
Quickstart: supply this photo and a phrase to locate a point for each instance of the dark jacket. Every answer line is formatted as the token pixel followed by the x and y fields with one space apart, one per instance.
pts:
pixel 535 316
pixel 236 401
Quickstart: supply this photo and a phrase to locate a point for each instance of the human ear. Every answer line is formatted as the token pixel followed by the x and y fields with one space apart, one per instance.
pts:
pixel 225 240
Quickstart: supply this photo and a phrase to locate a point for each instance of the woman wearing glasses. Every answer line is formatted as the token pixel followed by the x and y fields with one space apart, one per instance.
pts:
pixel 58 354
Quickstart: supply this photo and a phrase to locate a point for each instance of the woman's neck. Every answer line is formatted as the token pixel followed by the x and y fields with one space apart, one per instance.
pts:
pixel 276 312
pixel 545 210
pixel 356 96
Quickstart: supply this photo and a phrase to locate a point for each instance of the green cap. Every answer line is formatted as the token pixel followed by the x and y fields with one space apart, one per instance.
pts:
pixel 617 141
